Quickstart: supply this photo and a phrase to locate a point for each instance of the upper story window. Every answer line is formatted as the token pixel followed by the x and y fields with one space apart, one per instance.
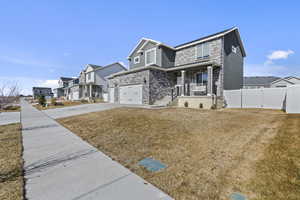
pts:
pixel 136 60
pixel 202 50
pixel 233 49
pixel 150 56
pixel 89 76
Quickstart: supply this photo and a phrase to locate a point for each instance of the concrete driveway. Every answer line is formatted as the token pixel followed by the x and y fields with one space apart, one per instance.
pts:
pixel 79 109
pixel 60 165
pixel 87 108
pixel 9 118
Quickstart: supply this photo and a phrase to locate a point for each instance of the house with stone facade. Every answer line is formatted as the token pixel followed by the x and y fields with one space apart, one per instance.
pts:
pixel 193 74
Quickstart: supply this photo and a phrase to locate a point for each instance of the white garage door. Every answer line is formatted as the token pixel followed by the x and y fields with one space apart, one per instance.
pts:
pixel 111 95
pixel 75 96
pixel 131 94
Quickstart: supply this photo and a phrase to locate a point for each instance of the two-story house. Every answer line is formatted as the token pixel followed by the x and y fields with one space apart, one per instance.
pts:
pixel 92 81
pixel 195 73
pixel 62 87
pixel 42 91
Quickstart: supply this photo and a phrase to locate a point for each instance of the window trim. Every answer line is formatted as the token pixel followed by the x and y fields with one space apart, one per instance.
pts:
pixel 136 62
pixel 196 50
pixel 153 49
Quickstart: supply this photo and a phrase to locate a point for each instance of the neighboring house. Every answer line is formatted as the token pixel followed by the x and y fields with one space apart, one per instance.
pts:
pixel 62 85
pixel 195 72
pixel 284 82
pixel 42 91
pixel 92 81
pixel 254 82
pixel 72 90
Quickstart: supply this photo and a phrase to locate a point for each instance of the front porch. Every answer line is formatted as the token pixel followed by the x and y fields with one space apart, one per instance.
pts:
pixel 198 81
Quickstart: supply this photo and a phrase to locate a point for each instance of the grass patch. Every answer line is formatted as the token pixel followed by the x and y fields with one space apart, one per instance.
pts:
pixel 278 173
pixel 60 105
pixel 208 152
pixel 11 109
pixel 11 179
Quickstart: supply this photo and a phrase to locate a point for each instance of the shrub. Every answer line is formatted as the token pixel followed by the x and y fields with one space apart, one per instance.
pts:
pixel 186 104
pixel 83 101
pixel 11 107
pixel 201 105
pixel 53 102
pixel 42 100
pixel 213 107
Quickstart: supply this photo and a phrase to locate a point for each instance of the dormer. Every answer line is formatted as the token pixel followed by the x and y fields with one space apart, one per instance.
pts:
pixel 150 52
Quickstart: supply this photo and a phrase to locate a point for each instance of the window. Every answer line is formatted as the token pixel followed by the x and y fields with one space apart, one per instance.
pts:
pixel 150 56
pixel 201 78
pixel 233 49
pixel 202 50
pixel 136 60
pixel 89 76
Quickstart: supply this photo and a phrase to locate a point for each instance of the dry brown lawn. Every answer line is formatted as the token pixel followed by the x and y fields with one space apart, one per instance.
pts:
pixel 11 109
pixel 11 179
pixel 65 104
pixel 209 153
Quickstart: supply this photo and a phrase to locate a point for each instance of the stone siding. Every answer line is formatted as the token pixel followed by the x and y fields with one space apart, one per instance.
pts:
pixel 160 85
pixel 137 78
pixel 188 55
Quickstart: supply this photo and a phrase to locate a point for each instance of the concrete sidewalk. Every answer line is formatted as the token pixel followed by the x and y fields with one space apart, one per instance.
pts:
pixel 60 165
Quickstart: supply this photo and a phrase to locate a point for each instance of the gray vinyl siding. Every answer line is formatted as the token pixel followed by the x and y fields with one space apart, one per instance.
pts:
pixel 142 63
pixel 167 57
pixel 100 75
pixel 233 63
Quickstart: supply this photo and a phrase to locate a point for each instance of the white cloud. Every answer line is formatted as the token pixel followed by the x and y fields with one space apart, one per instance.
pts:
pixel 49 83
pixel 280 54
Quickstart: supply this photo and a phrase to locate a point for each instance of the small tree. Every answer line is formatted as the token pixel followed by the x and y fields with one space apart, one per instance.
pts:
pixel 9 93
pixel 42 100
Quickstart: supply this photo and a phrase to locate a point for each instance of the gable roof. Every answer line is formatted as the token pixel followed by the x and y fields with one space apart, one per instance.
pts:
pixel 65 78
pixel 146 40
pixel 214 36
pixel 290 77
pixel 259 80
pixel 110 69
pixel 286 79
pixel 193 42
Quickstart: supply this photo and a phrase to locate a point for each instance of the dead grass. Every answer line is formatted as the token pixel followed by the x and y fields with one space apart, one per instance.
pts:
pixel 64 104
pixel 209 154
pixel 278 172
pixel 11 180
pixel 11 109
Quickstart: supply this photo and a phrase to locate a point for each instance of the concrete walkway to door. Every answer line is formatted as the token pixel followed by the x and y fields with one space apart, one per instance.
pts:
pixel 60 165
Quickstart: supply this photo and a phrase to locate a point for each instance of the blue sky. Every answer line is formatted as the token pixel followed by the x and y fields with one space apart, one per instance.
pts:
pixel 43 40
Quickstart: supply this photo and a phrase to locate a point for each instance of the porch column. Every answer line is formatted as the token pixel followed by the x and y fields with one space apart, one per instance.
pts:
pixel 209 80
pixel 182 82
pixel 90 90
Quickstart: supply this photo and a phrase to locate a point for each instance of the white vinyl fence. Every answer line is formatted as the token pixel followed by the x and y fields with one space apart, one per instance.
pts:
pixel 287 99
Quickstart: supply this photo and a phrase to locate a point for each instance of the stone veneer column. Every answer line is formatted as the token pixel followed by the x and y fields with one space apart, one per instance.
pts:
pixel 182 82
pixel 209 80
